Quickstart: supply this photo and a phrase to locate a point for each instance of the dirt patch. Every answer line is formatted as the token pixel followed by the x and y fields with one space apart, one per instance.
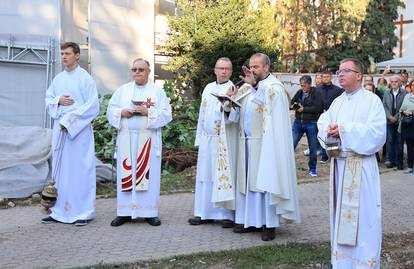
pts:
pixel 398 251
pixel 302 168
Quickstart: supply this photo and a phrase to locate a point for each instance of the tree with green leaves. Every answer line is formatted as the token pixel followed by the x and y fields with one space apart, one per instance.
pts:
pixel 206 30
pixel 316 35
pixel 305 35
pixel 377 38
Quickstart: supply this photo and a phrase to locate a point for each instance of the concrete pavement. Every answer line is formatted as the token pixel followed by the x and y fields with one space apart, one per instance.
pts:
pixel 27 243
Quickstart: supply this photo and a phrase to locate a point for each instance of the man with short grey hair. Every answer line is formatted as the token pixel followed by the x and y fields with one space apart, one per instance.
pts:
pixel 392 100
pixel 138 110
pixel 206 207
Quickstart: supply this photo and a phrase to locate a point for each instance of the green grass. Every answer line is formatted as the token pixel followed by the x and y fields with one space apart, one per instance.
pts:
pixel 288 256
pixel 105 190
pixel 173 182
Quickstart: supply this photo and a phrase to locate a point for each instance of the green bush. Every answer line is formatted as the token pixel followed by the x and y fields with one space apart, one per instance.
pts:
pixel 208 30
pixel 104 133
pixel 181 131
pixel 178 133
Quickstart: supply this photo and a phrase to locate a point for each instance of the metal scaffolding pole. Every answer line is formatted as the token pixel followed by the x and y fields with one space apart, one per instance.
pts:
pixel 33 55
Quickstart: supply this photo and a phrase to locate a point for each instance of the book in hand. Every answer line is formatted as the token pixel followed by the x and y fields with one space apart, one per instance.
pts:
pixel 224 97
pixel 136 103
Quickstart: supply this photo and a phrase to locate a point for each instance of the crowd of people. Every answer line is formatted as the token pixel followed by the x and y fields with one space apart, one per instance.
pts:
pixel 246 171
pixel 310 102
pixel 396 96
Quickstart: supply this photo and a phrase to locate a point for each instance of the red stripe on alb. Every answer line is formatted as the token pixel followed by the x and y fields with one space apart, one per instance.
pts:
pixel 124 164
pixel 142 151
pixel 142 164
pixel 142 169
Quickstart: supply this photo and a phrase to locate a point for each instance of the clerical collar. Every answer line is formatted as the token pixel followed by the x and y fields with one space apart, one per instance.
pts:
pixel 72 70
pixel 265 77
pixel 141 86
pixel 257 83
pixel 222 82
pixel 354 92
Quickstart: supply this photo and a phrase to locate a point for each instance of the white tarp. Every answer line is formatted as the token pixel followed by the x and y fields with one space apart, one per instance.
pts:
pixel 24 154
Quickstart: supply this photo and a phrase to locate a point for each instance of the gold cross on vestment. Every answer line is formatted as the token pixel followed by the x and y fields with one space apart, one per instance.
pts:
pixel 401 23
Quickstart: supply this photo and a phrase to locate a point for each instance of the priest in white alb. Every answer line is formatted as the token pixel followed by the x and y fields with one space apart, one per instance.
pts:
pixel 207 207
pixel 72 102
pixel 266 193
pixel 352 130
pixel 138 110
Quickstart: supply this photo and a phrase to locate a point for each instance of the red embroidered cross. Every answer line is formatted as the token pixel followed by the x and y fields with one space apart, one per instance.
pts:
pixel 148 103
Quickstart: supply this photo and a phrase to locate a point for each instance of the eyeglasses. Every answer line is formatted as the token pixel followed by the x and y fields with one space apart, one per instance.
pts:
pixel 223 68
pixel 140 70
pixel 346 71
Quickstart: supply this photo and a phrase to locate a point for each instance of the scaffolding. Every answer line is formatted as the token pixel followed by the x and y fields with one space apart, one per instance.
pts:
pixel 31 54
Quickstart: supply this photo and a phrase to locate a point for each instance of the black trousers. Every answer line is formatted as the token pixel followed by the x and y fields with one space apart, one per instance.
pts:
pixel 410 152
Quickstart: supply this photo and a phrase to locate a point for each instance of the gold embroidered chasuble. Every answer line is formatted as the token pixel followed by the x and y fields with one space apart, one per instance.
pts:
pixel 271 163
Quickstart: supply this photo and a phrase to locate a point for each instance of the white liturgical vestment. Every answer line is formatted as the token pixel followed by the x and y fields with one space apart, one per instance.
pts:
pixel 207 139
pixel 266 171
pixel 138 148
pixel 362 130
pixel 74 149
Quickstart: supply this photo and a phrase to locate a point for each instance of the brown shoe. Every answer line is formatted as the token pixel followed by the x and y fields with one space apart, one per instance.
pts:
pixel 227 223
pixel 198 221
pixel 239 229
pixel 268 234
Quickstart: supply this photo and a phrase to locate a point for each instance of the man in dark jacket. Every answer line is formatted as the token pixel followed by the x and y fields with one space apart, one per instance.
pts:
pixel 308 107
pixel 392 100
pixel 327 92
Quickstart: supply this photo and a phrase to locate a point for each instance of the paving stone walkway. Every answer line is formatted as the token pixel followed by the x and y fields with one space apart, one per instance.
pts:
pixel 26 243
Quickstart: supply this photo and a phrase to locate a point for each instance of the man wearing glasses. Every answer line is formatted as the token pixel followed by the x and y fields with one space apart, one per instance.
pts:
pixel 138 110
pixel 353 129
pixel 210 120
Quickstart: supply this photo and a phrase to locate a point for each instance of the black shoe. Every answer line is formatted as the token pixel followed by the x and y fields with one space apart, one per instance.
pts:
pixel 81 222
pixel 390 165
pixel 49 220
pixel 153 221
pixel 118 221
pixel 268 234
pixel 239 229
pixel 227 223
pixel 198 221
pixel 324 160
